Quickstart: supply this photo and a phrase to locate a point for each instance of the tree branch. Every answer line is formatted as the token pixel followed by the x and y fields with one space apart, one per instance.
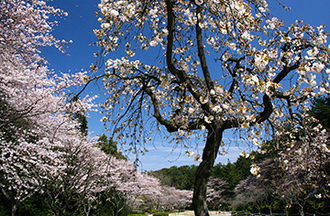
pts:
pixel 170 38
pixel 201 52
pixel 181 75
pixel 268 109
pixel 286 70
pixel 170 126
pixel 85 86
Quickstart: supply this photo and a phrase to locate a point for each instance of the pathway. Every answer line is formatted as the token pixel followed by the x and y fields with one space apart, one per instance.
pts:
pixel 191 213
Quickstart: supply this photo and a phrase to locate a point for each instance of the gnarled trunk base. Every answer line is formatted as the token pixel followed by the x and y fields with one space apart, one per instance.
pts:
pixel 204 171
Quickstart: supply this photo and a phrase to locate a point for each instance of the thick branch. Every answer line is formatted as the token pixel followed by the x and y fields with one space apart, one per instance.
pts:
pixel 181 75
pixel 286 70
pixel 170 126
pixel 261 117
pixel 268 109
pixel 170 38
pixel 201 52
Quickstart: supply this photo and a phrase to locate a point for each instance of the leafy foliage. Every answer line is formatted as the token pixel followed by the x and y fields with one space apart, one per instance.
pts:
pixel 182 177
pixel 232 173
pixel 108 146
pixel 321 111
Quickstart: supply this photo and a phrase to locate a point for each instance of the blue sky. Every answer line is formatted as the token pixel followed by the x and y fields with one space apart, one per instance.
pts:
pixel 78 26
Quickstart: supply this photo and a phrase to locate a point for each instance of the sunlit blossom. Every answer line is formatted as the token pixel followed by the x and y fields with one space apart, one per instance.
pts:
pixel 254 170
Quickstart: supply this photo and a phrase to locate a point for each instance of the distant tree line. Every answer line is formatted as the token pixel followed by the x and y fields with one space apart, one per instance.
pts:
pixel 183 177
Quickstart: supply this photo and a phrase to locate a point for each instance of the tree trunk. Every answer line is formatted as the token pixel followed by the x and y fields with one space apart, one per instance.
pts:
pixel 204 171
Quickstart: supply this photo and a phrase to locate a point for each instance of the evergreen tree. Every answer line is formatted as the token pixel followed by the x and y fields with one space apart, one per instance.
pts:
pixel 182 177
pixel 108 146
pixel 321 111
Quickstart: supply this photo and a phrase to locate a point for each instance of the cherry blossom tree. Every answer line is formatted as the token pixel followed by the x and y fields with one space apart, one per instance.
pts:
pixel 149 189
pixel 215 192
pixel 250 193
pixel 79 178
pixel 260 189
pixel 306 173
pixel 23 170
pixel 185 198
pixel 174 198
pixel 120 184
pixel 265 73
pixel 125 187
pixel 33 102
pixel 294 174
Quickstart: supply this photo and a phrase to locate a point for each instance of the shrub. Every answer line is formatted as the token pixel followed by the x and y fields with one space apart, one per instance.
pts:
pixel 137 215
pixel 160 214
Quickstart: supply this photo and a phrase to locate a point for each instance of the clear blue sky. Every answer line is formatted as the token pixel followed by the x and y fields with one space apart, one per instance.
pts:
pixel 78 26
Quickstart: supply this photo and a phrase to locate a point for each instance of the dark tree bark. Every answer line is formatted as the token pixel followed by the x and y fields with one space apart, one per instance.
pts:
pixel 204 171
